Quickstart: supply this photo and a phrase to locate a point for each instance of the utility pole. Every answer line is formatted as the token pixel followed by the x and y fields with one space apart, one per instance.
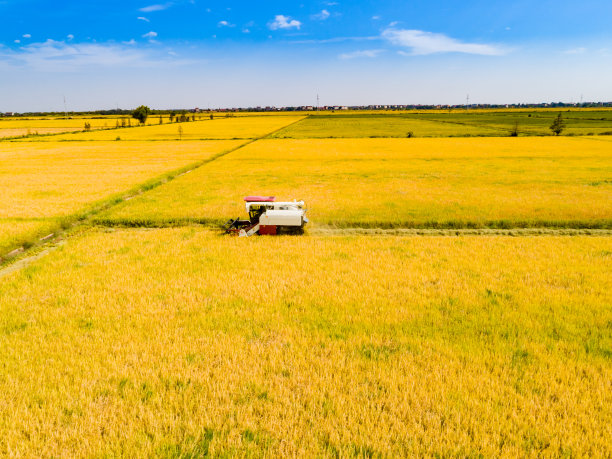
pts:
pixel 467 102
pixel 317 102
pixel 65 114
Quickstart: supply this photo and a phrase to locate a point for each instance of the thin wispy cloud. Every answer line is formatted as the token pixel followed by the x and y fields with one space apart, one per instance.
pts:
pixel 70 37
pixel 322 16
pixel 366 53
pixel 283 22
pixel 62 57
pixel 419 42
pixel 225 24
pixel 158 7
pixel 142 18
pixel 150 34
pixel 579 50
pixel 332 40
pixel 26 35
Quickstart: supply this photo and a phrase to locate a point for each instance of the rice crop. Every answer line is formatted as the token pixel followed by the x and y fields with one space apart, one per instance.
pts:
pixel 378 125
pixel 181 343
pixel 220 127
pixel 19 232
pixel 455 123
pixel 395 183
pixel 53 179
pixel 13 127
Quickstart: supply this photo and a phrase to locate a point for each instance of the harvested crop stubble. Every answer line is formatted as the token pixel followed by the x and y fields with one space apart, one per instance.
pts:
pixel 52 179
pixel 325 346
pixel 395 183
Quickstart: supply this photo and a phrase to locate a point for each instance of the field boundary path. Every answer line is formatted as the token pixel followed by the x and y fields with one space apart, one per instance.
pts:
pixel 20 257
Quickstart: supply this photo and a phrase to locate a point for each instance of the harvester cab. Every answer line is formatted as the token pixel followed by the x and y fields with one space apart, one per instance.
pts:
pixel 269 217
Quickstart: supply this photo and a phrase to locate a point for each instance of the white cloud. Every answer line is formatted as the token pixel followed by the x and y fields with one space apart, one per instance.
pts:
pixel 131 42
pixel 369 53
pixel 142 18
pixel 70 37
pixel 376 18
pixel 158 7
pixel 17 41
pixel 26 35
pixel 578 50
pixel 60 56
pixel 422 43
pixel 322 16
pixel 283 22
pixel 224 24
pixel 333 40
pixel 246 31
pixel 150 34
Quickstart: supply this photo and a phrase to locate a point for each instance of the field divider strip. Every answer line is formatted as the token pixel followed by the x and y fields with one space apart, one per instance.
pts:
pixel 213 223
pixel 87 216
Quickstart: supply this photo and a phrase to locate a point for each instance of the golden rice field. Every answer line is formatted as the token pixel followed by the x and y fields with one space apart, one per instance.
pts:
pixel 386 183
pixel 41 183
pixel 218 128
pixel 50 179
pixel 182 343
pixel 19 232
pixel 12 127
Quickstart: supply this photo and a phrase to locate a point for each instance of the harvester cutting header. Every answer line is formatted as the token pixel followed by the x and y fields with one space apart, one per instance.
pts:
pixel 269 217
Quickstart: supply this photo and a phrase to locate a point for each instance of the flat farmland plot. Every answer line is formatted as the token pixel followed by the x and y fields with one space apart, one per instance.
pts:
pixel 392 183
pixel 244 127
pixel 54 180
pixel 372 125
pixel 11 127
pixel 528 123
pixel 324 346
pixel 457 123
pixel 41 179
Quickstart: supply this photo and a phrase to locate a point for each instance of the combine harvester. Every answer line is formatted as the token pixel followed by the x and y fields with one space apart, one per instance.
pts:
pixel 269 217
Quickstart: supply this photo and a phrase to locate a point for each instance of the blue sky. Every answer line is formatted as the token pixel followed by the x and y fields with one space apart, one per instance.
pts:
pixel 188 53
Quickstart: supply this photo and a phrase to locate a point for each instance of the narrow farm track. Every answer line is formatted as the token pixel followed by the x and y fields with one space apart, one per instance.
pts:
pixel 25 262
pixel 20 257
